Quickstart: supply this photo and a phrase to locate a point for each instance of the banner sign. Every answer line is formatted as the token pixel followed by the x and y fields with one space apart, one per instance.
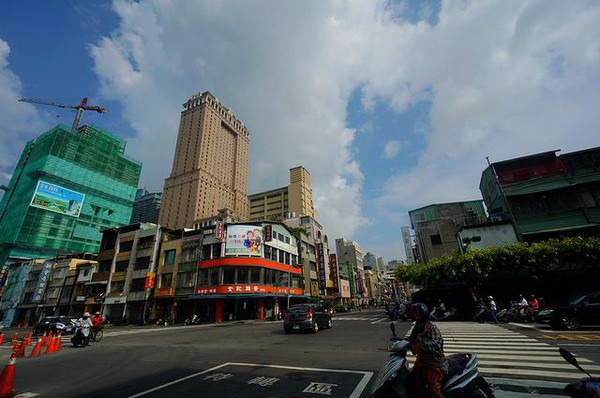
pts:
pixel 351 279
pixel 359 285
pixel 57 199
pixel 150 279
pixel 247 289
pixel 220 230
pixel 333 272
pixel 244 240
pixel 321 266
pixel 42 281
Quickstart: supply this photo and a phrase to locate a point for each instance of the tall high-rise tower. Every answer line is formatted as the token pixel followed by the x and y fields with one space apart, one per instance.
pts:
pixel 210 166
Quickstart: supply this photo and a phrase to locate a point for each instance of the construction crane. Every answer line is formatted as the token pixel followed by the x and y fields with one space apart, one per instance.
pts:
pixel 83 106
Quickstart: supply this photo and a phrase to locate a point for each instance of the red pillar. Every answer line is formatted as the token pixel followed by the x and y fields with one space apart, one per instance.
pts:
pixel 219 310
pixel 261 310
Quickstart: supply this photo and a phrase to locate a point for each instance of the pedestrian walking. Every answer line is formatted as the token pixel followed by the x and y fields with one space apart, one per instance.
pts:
pixel 493 309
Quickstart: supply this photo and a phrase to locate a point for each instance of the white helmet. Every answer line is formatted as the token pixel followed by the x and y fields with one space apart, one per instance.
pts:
pixel 490 298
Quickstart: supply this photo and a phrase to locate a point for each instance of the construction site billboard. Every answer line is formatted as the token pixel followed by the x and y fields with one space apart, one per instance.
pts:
pixel 57 199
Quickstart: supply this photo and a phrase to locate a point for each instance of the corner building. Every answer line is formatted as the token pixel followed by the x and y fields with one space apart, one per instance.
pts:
pixel 210 166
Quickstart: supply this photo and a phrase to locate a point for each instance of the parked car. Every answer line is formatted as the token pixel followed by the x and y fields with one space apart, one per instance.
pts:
pixel 306 317
pixel 583 309
pixel 55 324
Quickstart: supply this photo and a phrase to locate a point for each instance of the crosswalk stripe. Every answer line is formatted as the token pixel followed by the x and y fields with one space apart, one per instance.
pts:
pixel 563 365
pixel 504 352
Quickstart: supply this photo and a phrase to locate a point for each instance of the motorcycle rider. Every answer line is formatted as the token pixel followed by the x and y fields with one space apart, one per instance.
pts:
pixel 440 309
pixel 85 319
pixel 97 320
pixel 427 344
pixel 523 304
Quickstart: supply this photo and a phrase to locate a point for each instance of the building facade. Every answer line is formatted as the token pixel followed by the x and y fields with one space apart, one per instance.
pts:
pixel 436 226
pixel 490 234
pixel 67 187
pixel 408 244
pixel 146 207
pixel 210 165
pixel 350 257
pixel 295 199
pixel 546 195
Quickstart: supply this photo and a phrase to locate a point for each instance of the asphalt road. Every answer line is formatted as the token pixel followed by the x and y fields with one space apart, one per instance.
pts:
pixel 260 360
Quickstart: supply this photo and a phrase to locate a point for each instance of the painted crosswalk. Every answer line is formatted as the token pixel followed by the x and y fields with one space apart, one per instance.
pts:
pixel 506 353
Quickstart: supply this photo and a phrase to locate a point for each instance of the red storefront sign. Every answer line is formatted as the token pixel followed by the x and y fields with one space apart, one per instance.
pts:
pixel 150 278
pixel 247 289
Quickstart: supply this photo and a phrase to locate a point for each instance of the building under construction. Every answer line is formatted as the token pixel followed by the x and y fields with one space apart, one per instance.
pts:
pixel 68 186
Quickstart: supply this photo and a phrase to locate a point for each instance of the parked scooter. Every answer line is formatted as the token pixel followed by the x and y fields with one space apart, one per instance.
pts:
pixel 481 312
pixel 194 320
pixel 447 315
pixel 82 335
pixel 585 387
pixel 395 379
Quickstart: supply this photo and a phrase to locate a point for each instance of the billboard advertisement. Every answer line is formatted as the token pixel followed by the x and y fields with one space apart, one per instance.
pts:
pixel 57 199
pixel 244 240
pixel 333 273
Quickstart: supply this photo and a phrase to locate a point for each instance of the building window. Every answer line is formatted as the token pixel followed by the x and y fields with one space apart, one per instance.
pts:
pixel 206 250
pixel 203 277
pixel 242 275
pixel 184 279
pixel 255 275
pixel 281 256
pixel 141 263
pixel 117 287
pixel 170 257
pixel 287 240
pixel 121 266
pixel 214 276
pixel 228 276
pixel 166 280
pixel 216 250
pixel 126 246
pixel 85 272
pixel 105 266
pixel 138 285
pixel 435 239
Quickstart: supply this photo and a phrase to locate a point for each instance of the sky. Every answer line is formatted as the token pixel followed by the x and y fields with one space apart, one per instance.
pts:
pixel 391 105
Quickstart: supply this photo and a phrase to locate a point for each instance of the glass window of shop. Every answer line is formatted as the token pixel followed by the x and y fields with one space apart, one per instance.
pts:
pixel 228 276
pixel 203 277
pixel 281 256
pixel 255 275
pixel 270 276
pixel 274 254
pixel 242 275
pixel 214 276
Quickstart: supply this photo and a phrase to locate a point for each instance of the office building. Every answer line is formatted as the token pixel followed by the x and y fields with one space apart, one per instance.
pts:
pixel 146 207
pixel 67 187
pixel 350 258
pixel 210 165
pixel 408 245
pixel 295 199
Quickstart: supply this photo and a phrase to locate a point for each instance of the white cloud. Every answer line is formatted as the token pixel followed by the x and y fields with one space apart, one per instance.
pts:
pixel 20 121
pixel 391 149
pixel 282 71
pixel 504 78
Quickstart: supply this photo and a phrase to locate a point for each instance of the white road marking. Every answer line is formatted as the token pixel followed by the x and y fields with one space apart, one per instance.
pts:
pixel 379 320
pixel 26 395
pixel 536 365
pixel 355 394
pixel 177 381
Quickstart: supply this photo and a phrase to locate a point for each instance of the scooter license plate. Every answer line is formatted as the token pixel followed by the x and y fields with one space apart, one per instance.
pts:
pixel 296 327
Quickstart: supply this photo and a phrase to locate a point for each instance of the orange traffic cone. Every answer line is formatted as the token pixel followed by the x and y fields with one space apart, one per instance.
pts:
pixel 37 350
pixel 1 338
pixel 51 345
pixel 7 378
pixel 58 343
pixel 48 339
pixel 44 339
pixel 15 339
pixel 19 350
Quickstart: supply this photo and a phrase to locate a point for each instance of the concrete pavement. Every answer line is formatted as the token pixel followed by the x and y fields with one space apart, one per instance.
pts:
pixel 259 359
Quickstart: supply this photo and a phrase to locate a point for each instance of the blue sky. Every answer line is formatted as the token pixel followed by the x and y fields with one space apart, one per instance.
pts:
pixel 391 105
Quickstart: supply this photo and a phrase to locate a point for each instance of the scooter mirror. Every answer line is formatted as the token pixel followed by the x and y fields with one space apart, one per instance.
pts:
pixel 570 358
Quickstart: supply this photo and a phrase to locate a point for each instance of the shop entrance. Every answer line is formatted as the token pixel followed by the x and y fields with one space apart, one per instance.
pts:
pixel 240 309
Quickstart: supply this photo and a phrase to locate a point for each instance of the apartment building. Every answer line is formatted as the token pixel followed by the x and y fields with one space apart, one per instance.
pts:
pixel 210 164
pixel 295 199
